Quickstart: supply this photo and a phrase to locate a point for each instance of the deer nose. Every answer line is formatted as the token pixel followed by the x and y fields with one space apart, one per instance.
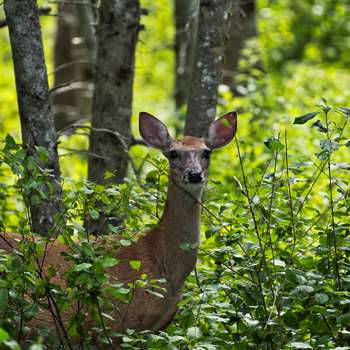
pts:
pixel 195 177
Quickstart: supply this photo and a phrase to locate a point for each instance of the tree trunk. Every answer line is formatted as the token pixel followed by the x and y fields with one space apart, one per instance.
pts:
pixel 242 26
pixel 207 65
pixel 74 57
pixel 186 21
pixel 34 104
pixel 117 34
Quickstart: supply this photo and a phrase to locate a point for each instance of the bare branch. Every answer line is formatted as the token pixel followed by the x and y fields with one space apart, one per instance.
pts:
pixel 69 64
pixel 82 3
pixel 62 86
pixel 45 10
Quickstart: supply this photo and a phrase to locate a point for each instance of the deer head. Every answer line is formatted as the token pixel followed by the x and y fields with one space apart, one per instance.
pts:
pixel 188 157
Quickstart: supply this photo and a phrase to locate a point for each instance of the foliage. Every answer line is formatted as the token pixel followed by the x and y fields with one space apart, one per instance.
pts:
pixel 273 267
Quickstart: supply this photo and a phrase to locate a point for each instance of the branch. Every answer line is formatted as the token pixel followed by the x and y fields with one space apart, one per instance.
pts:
pixel 72 2
pixel 63 86
pixel 81 151
pixel 45 10
pixel 72 63
pixel 123 140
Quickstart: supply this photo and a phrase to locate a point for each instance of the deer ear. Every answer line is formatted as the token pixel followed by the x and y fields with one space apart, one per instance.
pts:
pixel 153 131
pixel 221 131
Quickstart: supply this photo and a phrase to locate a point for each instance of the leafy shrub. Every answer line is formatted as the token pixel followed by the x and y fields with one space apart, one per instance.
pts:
pixel 273 266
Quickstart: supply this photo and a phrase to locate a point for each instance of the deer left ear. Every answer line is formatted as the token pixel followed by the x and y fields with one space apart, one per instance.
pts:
pixel 221 131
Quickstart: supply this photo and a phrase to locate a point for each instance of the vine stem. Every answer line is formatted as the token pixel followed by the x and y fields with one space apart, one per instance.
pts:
pixel 330 184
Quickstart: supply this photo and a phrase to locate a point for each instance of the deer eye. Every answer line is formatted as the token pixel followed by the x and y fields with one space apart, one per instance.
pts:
pixel 206 154
pixel 173 154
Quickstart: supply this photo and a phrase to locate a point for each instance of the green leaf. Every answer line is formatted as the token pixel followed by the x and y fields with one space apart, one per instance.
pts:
pixel 35 199
pixel 225 122
pixel 152 176
pixel 303 290
pixel 42 153
pixel 135 264
pixel 329 145
pixel 3 299
pixel 211 231
pixel 305 118
pixel 300 345
pixel 188 246
pixel 109 262
pixel 321 298
pixel 82 267
pixel 10 142
pixel 273 144
pixel 347 144
pixel 344 319
pixel 319 126
pixel 3 335
pixel 153 292
pixel 94 214
pixel 108 175
pixel 194 332
pixel 125 242
pixel 12 344
pixel 344 110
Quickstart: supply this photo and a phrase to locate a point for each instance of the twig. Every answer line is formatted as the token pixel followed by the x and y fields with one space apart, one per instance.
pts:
pixel 66 65
pixel 334 237
pixel 72 2
pixel 45 10
pixel 255 226
pixel 77 151
pixel 62 86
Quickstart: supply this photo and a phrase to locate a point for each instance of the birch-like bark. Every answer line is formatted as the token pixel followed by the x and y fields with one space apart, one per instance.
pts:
pixel 186 21
pixel 207 65
pixel 34 104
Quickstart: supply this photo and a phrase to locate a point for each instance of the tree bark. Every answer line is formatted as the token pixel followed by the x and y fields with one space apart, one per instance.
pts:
pixel 207 65
pixel 117 34
pixel 34 104
pixel 186 21
pixel 74 58
pixel 242 26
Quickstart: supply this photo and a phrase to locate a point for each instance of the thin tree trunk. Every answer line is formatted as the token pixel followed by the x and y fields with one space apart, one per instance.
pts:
pixel 186 21
pixel 207 65
pixel 34 103
pixel 74 57
pixel 242 27
pixel 117 34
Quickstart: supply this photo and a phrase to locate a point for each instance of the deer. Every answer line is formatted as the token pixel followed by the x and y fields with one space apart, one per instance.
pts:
pixel 159 249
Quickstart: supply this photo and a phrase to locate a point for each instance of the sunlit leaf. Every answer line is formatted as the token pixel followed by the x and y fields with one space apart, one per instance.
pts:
pixel 273 144
pixel 305 118
pixel 94 214
pixel 3 335
pixel 82 267
pixel 135 264
pixel 300 345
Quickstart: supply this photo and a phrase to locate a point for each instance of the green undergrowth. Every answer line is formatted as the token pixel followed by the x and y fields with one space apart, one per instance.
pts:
pixel 273 266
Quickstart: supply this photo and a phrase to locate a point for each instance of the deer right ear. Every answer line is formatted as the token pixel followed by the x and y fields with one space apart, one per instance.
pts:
pixel 221 131
pixel 153 131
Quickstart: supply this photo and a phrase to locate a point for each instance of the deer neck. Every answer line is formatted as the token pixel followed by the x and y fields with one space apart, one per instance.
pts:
pixel 181 216
pixel 180 227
